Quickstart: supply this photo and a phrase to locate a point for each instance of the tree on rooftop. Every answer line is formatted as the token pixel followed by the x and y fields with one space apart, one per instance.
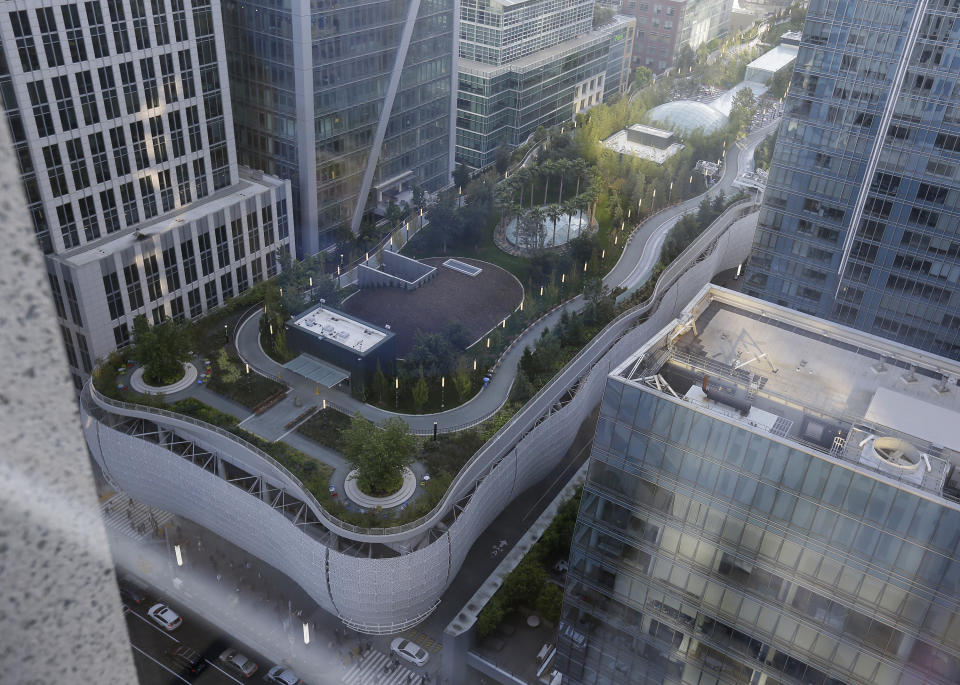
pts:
pixel 161 349
pixel 461 175
pixel 420 392
pixel 378 455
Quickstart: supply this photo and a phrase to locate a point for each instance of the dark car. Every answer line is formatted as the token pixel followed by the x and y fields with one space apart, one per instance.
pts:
pixel 132 591
pixel 186 658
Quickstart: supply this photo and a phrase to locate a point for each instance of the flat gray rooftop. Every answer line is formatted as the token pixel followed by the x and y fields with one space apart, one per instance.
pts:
pixel 830 388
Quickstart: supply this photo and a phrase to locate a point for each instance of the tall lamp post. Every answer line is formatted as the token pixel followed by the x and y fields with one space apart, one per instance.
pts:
pixel 396 395
pixel 443 383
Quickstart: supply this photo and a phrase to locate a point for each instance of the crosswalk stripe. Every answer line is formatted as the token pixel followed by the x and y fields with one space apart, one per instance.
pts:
pixel 370 671
pixel 114 513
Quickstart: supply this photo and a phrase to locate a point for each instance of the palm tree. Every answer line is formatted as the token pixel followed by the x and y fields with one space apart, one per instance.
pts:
pixel 522 176
pixel 546 169
pixel 562 166
pixel 570 209
pixel 536 221
pixel 554 212
pixel 503 197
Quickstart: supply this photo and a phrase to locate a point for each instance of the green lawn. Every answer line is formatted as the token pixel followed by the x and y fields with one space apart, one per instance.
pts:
pixel 325 427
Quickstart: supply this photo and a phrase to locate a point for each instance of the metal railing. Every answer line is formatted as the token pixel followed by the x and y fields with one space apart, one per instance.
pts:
pixel 521 422
pixel 308 497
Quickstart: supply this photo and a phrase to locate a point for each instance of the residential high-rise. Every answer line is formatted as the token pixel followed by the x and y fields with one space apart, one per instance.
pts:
pixel 666 27
pixel 860 220
pixel 350 101
pixel 121 122
pixel 530 63
pixel 771 499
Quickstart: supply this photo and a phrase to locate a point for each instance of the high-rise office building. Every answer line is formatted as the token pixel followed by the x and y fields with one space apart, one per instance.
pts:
pixel 860 220
pixel 530 63
pixel 350 101
pixel 771 499
pixel 121 122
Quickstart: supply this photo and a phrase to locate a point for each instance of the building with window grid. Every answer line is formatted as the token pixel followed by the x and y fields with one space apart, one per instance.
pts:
pixel 350 101
pixel 525 64
pixel 860 221
pixel 121 121
pixel 771 498
pixel 664 28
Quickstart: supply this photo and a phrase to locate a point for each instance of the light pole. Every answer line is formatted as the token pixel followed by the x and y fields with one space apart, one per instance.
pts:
pixel 396 394
pixel 443 384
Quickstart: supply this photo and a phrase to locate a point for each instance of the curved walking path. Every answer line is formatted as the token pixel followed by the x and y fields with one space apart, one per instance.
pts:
pixel 631 271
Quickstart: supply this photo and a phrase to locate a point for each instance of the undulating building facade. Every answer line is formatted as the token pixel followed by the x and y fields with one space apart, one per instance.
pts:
pixel 531 63
pixel 860 220
pixel 121 120
pixel 350 101
pixel 771 499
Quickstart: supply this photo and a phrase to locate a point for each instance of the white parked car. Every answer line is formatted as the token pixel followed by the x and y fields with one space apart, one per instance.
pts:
pixel 283 676
pixel 410 651
pixel 165 616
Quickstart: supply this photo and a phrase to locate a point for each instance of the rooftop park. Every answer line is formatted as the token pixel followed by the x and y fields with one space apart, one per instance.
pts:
pixel 568 169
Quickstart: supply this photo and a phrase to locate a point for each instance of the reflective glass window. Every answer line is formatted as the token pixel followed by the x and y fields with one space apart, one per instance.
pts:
pixel 879 503
pixel 775 462
pixel 663 418
pixel 947 532
pixel 925 519
pixel 654 455
pixel 816 478
pixel 746 491
pixel 681 425
pixel 823 523
pixel 837 485
pixel 857 495
pixel 736 446
pixel 689 466
pixel 901 512
pixel 628 404
pixel 756 453
pixel 764 497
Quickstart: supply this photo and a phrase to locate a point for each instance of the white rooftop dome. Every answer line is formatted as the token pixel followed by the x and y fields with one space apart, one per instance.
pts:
pixel 687 115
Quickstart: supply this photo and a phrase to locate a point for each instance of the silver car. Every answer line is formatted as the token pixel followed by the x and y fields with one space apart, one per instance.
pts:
pixel 243 665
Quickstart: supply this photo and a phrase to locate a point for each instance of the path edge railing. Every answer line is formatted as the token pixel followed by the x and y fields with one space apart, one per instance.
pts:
pixel 667 279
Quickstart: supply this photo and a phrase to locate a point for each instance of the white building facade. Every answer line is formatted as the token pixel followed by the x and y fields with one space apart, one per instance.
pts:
pixel 121 120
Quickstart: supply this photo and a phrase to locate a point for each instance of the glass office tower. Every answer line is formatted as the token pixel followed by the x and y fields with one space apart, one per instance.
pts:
pixel 860 220
pixel 351 101
pixel 504 103
pixel 771 499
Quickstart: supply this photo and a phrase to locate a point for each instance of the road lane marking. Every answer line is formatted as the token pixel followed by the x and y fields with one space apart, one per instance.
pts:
pixel 223 672
pixel 152 625
pixel 173 673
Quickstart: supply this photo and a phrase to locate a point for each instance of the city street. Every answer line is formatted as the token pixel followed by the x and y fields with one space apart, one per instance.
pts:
pixel 151 642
